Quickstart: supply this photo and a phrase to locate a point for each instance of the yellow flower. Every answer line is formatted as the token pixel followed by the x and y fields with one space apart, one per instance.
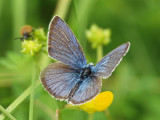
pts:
pixel 30 47
pixel 98 36
pixel 40 35
pixel 99 103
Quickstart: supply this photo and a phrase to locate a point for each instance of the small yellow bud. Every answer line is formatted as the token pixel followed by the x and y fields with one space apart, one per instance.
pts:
pixel 98 36
pixel 40 35
pixel 30 47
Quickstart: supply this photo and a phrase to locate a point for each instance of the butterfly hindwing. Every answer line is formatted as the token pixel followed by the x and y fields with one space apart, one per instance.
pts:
pixel 63 45
pixel 88 89
pixel 106 66
pixel 59 79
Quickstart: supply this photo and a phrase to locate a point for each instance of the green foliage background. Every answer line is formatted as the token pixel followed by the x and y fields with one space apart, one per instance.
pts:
pixel 135 83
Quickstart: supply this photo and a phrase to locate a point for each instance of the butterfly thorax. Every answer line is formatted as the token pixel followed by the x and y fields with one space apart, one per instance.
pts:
pixel 86 71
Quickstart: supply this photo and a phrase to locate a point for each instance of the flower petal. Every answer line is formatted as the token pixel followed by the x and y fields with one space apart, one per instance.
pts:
pixel 100 103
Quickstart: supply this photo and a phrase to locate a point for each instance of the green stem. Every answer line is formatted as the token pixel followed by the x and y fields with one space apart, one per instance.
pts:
pixel 19 100
pixel 58 115
pixel 1 6
pixel 90 116
pixel 6 113
pixel 99 57
pixel 76 18
pixel 108 115
pixel 46 109
pixel 62 8
pixel 31 109
pixel 99 52
pixel 18 9
pixel 86 7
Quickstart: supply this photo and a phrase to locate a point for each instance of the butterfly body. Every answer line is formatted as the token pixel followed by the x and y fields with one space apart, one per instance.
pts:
pixel 72 79
pixel 87 71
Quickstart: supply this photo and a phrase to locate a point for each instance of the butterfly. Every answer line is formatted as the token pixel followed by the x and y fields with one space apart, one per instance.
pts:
pixel 72 79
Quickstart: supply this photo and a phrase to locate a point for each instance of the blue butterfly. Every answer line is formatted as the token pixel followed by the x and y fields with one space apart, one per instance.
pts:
pixel 72 79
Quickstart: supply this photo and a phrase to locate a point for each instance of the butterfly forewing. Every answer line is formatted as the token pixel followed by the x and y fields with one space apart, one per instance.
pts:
pixel 106 66
pixel 59 79
pixel 63 45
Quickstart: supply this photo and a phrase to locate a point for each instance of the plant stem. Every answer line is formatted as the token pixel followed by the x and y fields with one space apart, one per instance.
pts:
pixel 46 109
pixel 6 113
pixel 18 9
pixel 99 57
pixel 107 113
pixel 90 116
pixel 75 7
pixel 58 114
pixel 86 7
pixel 1 7
pixel 62 8
pixel 19 100
pixel 99 52
pixel 31 109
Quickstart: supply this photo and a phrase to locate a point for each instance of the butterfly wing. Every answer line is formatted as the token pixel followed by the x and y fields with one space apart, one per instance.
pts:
pixel 63 45
pixel 59 79
pixel 88 89
pixel 106 66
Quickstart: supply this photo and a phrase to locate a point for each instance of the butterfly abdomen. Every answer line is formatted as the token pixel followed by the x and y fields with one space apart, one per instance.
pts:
pixel 86 72
pixel 73 91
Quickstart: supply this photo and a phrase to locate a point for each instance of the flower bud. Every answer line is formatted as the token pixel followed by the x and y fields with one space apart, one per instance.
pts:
pixel 98 36
pixel 30 47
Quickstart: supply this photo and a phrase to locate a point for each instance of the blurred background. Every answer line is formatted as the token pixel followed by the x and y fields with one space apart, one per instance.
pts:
pixel 135 83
